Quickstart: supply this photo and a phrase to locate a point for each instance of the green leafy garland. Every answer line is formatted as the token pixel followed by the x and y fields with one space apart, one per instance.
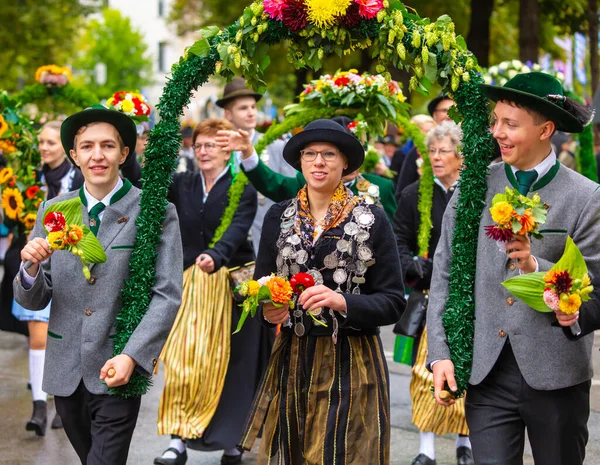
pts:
pixel 70 95
pixel 429 49
pixel 586 160
pixel 458 318
pixel 425 203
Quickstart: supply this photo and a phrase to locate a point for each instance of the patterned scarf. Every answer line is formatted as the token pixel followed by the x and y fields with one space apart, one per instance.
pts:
pixel 341 205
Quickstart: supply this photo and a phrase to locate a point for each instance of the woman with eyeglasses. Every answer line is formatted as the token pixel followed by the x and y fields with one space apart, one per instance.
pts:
pixel 443 144
pixel 210 376
pixel 325 395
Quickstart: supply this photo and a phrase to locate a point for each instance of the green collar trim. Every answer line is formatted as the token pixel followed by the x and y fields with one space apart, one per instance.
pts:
pixel 122 192
pixel 549 176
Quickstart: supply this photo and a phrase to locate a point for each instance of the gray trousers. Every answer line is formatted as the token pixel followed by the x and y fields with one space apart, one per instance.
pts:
pixel 500 409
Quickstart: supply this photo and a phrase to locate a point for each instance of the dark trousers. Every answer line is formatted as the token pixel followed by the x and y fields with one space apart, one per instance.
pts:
pixel 99 427
pixel 500 409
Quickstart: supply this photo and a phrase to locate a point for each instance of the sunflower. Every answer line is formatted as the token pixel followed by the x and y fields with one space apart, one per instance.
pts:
pixel 29 221
pixel 12 202
pixel 3 125
pixel 5 175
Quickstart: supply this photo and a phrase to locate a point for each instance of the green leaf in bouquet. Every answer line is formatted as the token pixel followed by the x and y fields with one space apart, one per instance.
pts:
pixel 71 210
pixel 572 260
pixel 241 321
pixel 529 288
pixel 498 198
pixel 516 226
pixel 93 252
pixel 264 294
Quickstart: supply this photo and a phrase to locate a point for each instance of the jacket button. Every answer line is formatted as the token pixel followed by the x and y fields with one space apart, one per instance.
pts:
pixel 154 362
pixel 502 333
pixel 510 301
pixel 512 266
pixel 92 280
pixel 88 311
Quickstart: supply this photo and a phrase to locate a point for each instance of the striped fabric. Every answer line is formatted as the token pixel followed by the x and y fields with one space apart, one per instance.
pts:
pixel 427 415
pixel 196 354
pixel 322 403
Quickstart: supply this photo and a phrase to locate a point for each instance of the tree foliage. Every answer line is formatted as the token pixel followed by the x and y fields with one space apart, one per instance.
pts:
pixel 38 33
pixel 113 41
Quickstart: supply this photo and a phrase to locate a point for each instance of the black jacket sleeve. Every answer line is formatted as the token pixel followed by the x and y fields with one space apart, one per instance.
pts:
pixel 406 225
pixel 409 172
pixel 382 299
pixel 237 232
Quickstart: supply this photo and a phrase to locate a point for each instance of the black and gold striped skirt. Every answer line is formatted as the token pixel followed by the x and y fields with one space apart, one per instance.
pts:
pixel 323 403
pixel 427 414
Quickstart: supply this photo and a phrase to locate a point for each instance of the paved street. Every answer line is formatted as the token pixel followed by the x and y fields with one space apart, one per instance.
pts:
pixel 19 447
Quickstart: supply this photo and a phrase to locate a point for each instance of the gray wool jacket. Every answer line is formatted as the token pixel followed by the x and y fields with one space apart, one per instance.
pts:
pixel 547 359
pixel 83 312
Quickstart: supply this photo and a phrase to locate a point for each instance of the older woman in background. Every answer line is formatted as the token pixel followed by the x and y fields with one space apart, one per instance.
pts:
pixel 443 144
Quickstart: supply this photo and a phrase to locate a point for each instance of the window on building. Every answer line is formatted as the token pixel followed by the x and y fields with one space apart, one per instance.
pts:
pixel 162 57
pixel 161 8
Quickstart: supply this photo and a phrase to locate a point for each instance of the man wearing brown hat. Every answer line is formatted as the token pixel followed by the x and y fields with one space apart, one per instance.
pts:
pixel 239 104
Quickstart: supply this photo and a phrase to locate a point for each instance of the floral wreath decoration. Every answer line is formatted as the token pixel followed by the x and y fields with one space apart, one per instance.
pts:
pixel 584 155
pixel 55 82
pixel 21 190
pixel 133 104
pixel 315 29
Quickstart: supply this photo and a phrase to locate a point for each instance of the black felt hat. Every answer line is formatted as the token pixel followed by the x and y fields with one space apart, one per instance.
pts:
pixel 432 105
pixel 98 114
pixel 539 92
pixel 325 130
pixel 234 89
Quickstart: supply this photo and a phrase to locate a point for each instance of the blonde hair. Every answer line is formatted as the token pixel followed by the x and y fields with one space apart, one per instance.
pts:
pixel 52 125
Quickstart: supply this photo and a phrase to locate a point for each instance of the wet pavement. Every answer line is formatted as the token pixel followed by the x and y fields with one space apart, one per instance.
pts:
pixel 19 447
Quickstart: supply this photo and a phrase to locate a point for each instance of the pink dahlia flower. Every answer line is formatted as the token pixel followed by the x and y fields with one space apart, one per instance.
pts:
pixel 369 8
pixel 551 299
pixel 274 8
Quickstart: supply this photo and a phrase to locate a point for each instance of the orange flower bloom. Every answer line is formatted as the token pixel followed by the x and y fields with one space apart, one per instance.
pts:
pixel 527 222
pixel 32 191
pixel 281 290
pixel 73 234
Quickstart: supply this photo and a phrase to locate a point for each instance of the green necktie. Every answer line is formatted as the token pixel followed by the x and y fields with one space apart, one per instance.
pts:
pixel 95 218
pixel 525 179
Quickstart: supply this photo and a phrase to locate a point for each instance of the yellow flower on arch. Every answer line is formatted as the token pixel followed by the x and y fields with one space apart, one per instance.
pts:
pixel 5 175
pixel 12 203
pixel 322 13
pixel 3 125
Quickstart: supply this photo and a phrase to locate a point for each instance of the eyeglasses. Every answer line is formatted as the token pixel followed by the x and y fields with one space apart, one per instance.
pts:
pixel 442 151
pixel 311 155
pixel 209 146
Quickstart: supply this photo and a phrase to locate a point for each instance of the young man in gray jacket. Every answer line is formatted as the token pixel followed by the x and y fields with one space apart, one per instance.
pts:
pixel 528 372
pixel 79 366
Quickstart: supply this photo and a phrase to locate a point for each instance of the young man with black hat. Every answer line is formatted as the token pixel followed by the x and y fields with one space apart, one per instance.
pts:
pixel 239 105
pixel 529 370
pixel 83 312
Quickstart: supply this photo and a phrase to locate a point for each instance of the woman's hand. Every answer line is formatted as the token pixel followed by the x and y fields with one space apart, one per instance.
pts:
pixel 321 296
pixel 36 251
pixel 206 263
pixel 275 315
pixel 232 141
pixel 520 249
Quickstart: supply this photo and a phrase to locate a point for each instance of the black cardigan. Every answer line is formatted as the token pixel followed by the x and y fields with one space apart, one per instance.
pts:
pixel 381 301
pixel 406 226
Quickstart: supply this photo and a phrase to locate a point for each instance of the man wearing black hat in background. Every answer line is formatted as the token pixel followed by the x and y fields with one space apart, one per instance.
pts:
pixel 438 109
pixel 186 160
pixel 239 104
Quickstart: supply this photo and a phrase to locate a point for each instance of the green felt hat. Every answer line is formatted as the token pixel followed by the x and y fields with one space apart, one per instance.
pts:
pixel 98 114
pixel 539 92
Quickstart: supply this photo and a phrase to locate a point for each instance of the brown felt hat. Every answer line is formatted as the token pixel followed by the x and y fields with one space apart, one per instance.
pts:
pixel 234 89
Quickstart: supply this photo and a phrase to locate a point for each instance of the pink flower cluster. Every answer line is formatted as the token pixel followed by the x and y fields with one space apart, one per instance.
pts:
pixel 551 299
pixel 54 80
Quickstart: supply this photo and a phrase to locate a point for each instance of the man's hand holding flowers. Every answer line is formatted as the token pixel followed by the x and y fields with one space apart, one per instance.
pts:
pixel 35 251
pixel 519 249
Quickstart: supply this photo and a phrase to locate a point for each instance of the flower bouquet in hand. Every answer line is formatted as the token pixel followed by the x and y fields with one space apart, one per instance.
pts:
pixel 64 228
pixel 563 288
pixel 300 282
pixel 516 214
pixel 274 289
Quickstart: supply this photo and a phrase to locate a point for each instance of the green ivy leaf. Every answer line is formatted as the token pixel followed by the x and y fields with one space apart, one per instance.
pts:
pixel 208 32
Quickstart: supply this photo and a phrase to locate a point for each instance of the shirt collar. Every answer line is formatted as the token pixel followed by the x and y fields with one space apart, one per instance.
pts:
pixel 439 183
pixel 92 201
pixel 223 173
pixel 543 168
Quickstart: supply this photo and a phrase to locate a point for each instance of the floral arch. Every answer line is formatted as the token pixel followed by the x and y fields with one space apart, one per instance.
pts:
pixel 314 29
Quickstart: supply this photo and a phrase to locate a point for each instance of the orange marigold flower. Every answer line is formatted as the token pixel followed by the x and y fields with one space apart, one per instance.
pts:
pixel 550 277
pixel 73 234
pixel 527 222
pixel 281 290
